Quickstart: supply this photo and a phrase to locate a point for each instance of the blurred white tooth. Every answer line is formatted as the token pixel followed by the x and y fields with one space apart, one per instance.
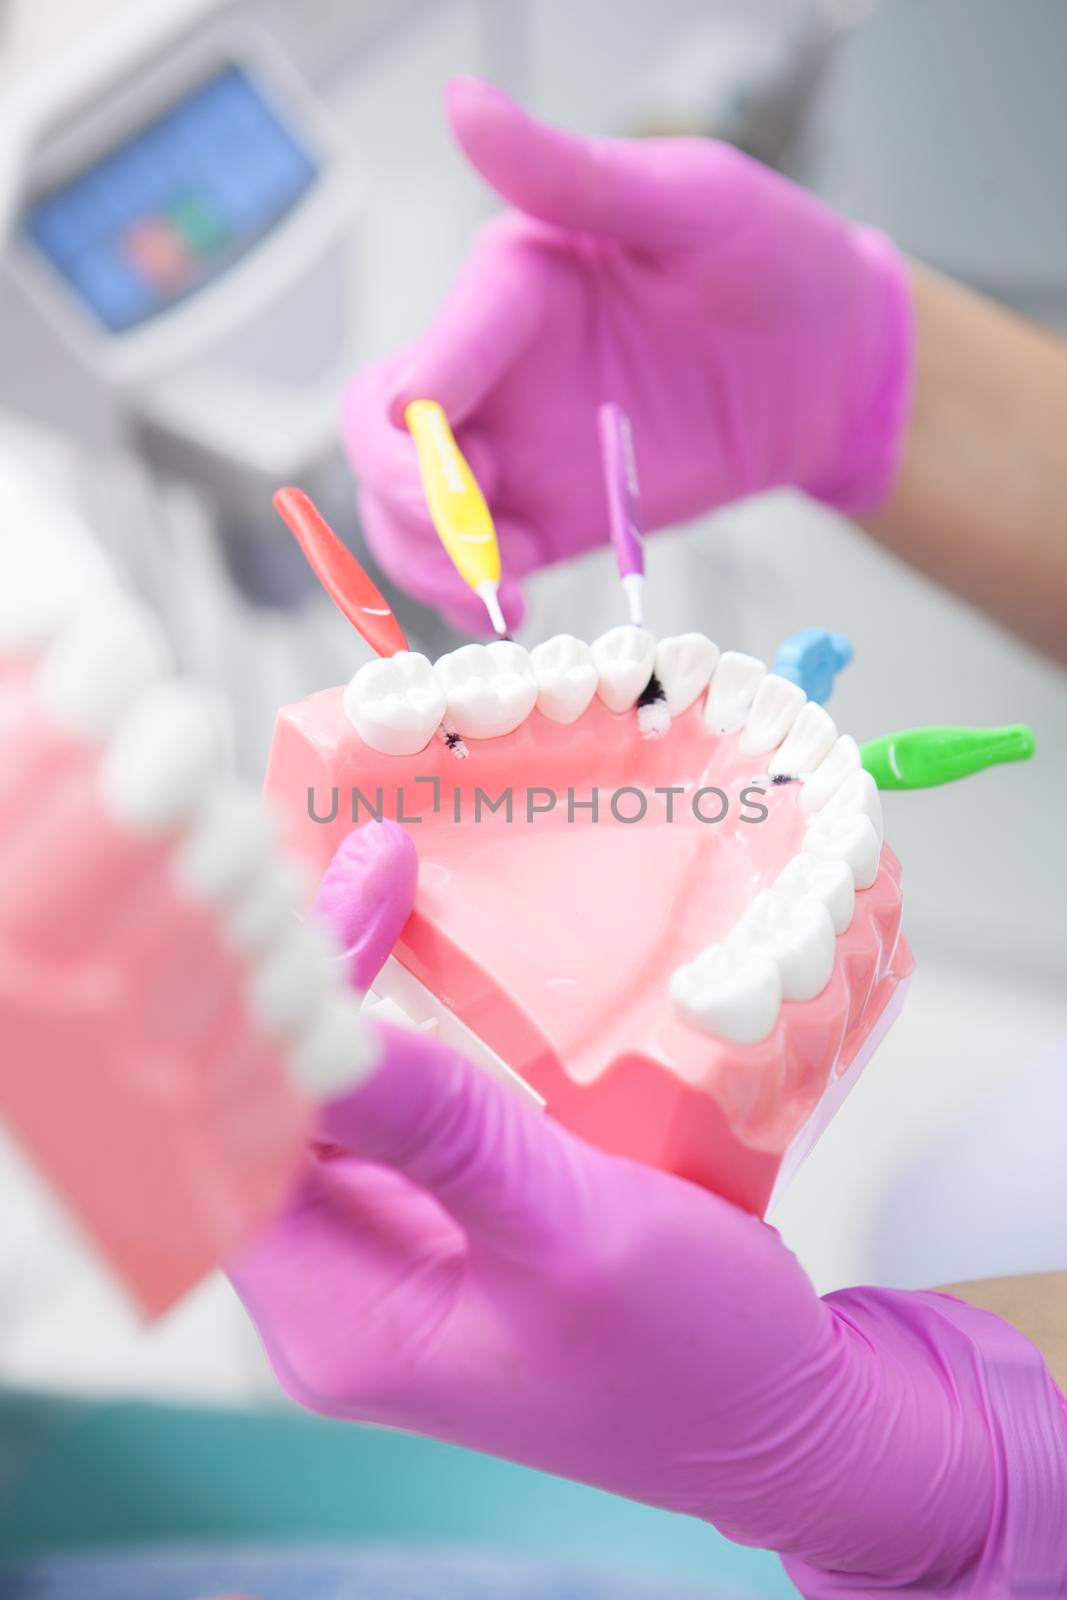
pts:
pixel 266 905
pixel 395 703
pixel 336 1050
pixel 625 657
pixel 733 689
pixel 167 751
pixel 227 840
pixel 491 688
pixel 809 741
pixel 857 796
pixel 684 665
pixel 291 977
pixel 850 838
pixel 775 708
pixel 98 663
pixel 44 580
pixel 796 934
pixel 566 677
pixel 808 877
pixel 830 774
pixel 728 992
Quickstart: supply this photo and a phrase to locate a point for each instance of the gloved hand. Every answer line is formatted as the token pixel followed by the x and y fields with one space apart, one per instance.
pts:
pixel 754 338
pixel 458 1265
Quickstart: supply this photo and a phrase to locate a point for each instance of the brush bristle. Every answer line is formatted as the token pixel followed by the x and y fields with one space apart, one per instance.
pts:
pixel 653 718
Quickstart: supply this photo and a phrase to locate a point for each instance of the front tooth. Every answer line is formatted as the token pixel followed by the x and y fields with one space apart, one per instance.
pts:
pixel 491 688
pixel 797 934
pixel 809 741
pixel 733 689
pixel 395 703
pixel 625 658
pixel 167 751
pixel 775 708
pixel 850 838
pixel 809 877
pixel 44 580
pixel 98 664
pixel 225 843
pixel 293 976
pixel 830 774
pixel 857 796
pixel 735 994
pixel 684 665
pixel 335 1051
pixel 566 677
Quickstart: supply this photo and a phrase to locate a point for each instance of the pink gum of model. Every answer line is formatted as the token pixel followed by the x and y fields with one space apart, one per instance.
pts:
pixel 130 1069
pixel 554 942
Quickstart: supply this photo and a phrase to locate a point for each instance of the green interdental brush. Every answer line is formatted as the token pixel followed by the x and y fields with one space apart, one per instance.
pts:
pixel 921 758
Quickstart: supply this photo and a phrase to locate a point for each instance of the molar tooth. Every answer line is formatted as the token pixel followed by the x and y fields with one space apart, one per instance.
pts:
pixel 395 703
pixel 735 994
pixel 857 796
pixel 733 689
pixel 229 839
pixel 491 688
pixel 167 751
pixel 291 978
pixel 45 579
pixel 833 769
pixel 796 934
pixel 625 657
pixel 850 838
pixel 266 904
pixel 684 665
pixel 98 665
pixel 774 710
pixel 335 1051
pixel 811 877
pixel 566 677
pixel 809 741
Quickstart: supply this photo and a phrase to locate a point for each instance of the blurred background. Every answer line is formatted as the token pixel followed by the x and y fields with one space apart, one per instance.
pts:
pixel 211 214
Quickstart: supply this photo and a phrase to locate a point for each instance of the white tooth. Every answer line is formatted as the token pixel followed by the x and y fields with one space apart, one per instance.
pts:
pixel 292 976
pixel 857 796
pixel 395 703
pixel 167 751
pixel 566 677
pixel 796 934
pixel 809 741
pixel 775 708
pixel 734 994
pixel 625 657
pixel 809 877
pixel 98 663
pixel 733 689
pixel 335 1051
pixel 849 838
pixel 230 837
pixel 684 665
pixel 266 905
pixel 830 774
pixel 491 688
pixel 45 579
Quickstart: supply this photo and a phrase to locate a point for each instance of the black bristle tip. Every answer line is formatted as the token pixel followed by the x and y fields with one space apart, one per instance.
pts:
pixel 779 778
pixel 452 739
pixel 652 693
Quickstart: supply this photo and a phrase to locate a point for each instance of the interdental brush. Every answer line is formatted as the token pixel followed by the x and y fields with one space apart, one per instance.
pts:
pixel 350 588
pixel 620 482
pixel 924 758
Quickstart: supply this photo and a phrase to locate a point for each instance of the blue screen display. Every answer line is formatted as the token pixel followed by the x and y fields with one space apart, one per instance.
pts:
pixel 176 205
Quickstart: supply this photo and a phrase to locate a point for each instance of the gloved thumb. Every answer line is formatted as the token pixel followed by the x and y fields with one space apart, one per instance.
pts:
pixel 366 896
pixel 637 191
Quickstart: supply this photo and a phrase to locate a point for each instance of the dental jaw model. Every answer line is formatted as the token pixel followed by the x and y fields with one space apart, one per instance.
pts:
pixel 683 967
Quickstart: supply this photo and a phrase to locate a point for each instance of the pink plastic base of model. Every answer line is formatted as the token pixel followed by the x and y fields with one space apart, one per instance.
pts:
pixel 130 1070
pixel 553 939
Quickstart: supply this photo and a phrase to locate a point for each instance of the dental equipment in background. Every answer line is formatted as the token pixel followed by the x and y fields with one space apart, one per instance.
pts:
pixel 623 492
pixel 457 506
pixel 350 587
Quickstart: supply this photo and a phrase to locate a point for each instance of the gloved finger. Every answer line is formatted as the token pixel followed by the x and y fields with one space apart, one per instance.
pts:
pixel 651 193
pixel 508 1176
pixel 366 895
pixel 409 553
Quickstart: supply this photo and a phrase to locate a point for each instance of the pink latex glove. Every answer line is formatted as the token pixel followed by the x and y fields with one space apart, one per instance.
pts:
pixel 754 338
pixel 458 1265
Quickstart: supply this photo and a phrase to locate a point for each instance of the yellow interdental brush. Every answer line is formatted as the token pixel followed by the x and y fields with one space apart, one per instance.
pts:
pixel 457 506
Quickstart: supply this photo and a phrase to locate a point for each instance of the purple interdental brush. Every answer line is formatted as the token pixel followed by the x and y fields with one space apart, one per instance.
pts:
pixel 620 482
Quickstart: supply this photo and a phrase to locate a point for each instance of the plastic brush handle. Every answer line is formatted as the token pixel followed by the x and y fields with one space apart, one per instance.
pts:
pixel 922 758
pixel 457 505
pixel 346 583
pixel 620 482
